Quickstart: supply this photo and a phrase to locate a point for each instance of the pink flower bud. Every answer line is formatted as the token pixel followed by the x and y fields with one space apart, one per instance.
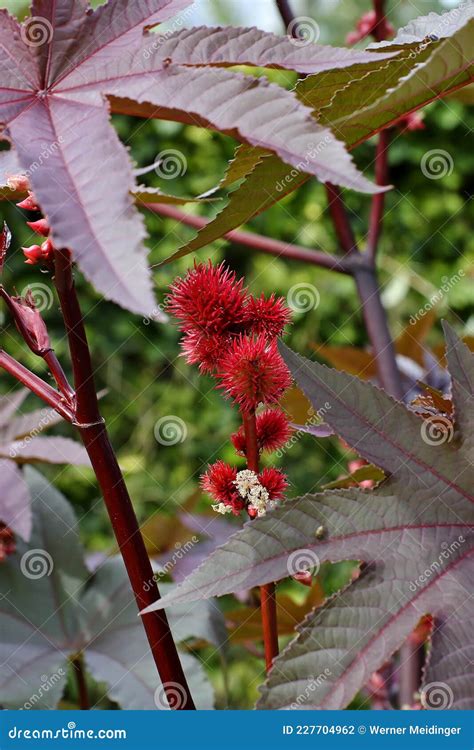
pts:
pixel 33 254
pixel 29 322
pixel 40 227
pixel 29 203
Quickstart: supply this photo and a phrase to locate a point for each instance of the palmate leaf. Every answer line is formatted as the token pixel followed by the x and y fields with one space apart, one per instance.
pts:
pixel 52 608
pixel 356 103
pixel 65 66
pixel 414 534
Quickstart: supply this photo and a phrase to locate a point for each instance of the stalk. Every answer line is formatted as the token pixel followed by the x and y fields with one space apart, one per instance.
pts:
pixel 267 592
pixel 82 691
pixel 93 432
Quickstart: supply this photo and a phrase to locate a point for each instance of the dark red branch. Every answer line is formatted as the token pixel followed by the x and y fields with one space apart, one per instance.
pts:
pixel 256 241
pixel 93 432
pixel 36 385
pixel 340 219
pixel 267 592
pixel 378 200
pixel 82 691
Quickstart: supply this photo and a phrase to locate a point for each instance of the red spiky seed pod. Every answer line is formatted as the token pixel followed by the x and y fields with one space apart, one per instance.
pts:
pixel 252 372
pixel 208 299
pixel 274 481
pixel 219 482
pixel 267 316
pixel 29 203
pixel 273 430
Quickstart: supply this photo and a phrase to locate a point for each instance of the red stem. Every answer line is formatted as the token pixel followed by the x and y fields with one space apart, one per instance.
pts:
pixel 82 691
pixel 36 385
pixel 267 592
pixel 60 377
pixel 109 476
pixel 340 219
pixel 255 241
pixel 378 200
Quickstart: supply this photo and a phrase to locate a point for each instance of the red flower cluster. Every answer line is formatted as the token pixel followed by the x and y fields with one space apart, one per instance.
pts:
pixel 232 335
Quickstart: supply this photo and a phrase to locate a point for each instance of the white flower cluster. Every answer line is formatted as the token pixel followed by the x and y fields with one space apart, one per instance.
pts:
pixel 222 508
pixel 250 489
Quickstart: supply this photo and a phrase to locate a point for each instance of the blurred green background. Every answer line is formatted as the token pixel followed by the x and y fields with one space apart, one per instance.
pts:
pixel 426 238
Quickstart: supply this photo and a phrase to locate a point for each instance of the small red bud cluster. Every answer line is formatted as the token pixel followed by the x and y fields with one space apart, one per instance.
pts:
pixel 7 542
pixel 366 26
pixel 34 254
pixel 232 335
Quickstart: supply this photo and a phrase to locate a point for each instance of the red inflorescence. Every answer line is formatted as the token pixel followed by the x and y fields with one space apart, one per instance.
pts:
pixel 267 317
pixel 253 372
pixel 274 482
pixel 219 482
pixel 7 542
pixel 273 431
pixel 232 335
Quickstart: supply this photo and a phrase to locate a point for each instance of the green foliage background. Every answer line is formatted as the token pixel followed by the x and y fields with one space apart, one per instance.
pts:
pixel 426 238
